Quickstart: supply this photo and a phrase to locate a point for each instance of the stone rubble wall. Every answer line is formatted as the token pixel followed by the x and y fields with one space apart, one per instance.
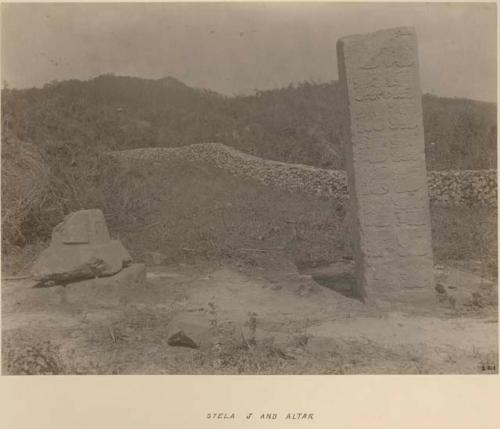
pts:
pixel 464 187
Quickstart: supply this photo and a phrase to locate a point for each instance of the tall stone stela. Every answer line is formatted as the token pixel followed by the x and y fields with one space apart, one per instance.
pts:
pixel 385 162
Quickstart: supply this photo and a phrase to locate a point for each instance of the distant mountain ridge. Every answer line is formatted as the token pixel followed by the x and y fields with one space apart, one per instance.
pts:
pixel 300 123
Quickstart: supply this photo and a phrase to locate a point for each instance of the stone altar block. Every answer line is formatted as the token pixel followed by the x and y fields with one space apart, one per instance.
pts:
pixel 385 162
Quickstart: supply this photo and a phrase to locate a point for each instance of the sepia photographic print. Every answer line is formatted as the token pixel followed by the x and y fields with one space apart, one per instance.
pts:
pixel 249 188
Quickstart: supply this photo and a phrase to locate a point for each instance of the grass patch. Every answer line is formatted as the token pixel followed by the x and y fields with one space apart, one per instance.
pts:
pixel 466 237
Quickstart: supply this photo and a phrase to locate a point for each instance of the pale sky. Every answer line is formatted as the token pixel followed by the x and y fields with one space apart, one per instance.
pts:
pixel 238 47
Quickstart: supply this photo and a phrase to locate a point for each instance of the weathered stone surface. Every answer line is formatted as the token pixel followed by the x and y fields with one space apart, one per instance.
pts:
pixel 385 161
pixel 82 227
pixel 80 249
pixel 64 264
pixel 120 289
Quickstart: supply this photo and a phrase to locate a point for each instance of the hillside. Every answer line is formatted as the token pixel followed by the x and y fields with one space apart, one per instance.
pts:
pixel 446 187
pixel 59 132
pixel 300 123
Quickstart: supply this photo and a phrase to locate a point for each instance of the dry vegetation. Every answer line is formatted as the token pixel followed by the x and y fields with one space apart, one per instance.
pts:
pixel 53 138
pixel 192 210
pixel 25 185
pixel 134 341
pixel 52 163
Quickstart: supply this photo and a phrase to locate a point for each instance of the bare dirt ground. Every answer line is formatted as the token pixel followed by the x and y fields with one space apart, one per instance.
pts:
pixel 249 319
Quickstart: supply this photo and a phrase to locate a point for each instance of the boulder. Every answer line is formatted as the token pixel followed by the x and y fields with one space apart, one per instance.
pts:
pixel 81 248
pixel 82 227
pixel 194 325
pixel 180 339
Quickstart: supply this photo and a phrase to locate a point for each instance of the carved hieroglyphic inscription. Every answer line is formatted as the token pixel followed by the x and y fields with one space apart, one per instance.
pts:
pixel 385 161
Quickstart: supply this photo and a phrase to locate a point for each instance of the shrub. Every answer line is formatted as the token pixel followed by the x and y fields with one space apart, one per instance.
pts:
pixel 25 190
pixel 33 358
